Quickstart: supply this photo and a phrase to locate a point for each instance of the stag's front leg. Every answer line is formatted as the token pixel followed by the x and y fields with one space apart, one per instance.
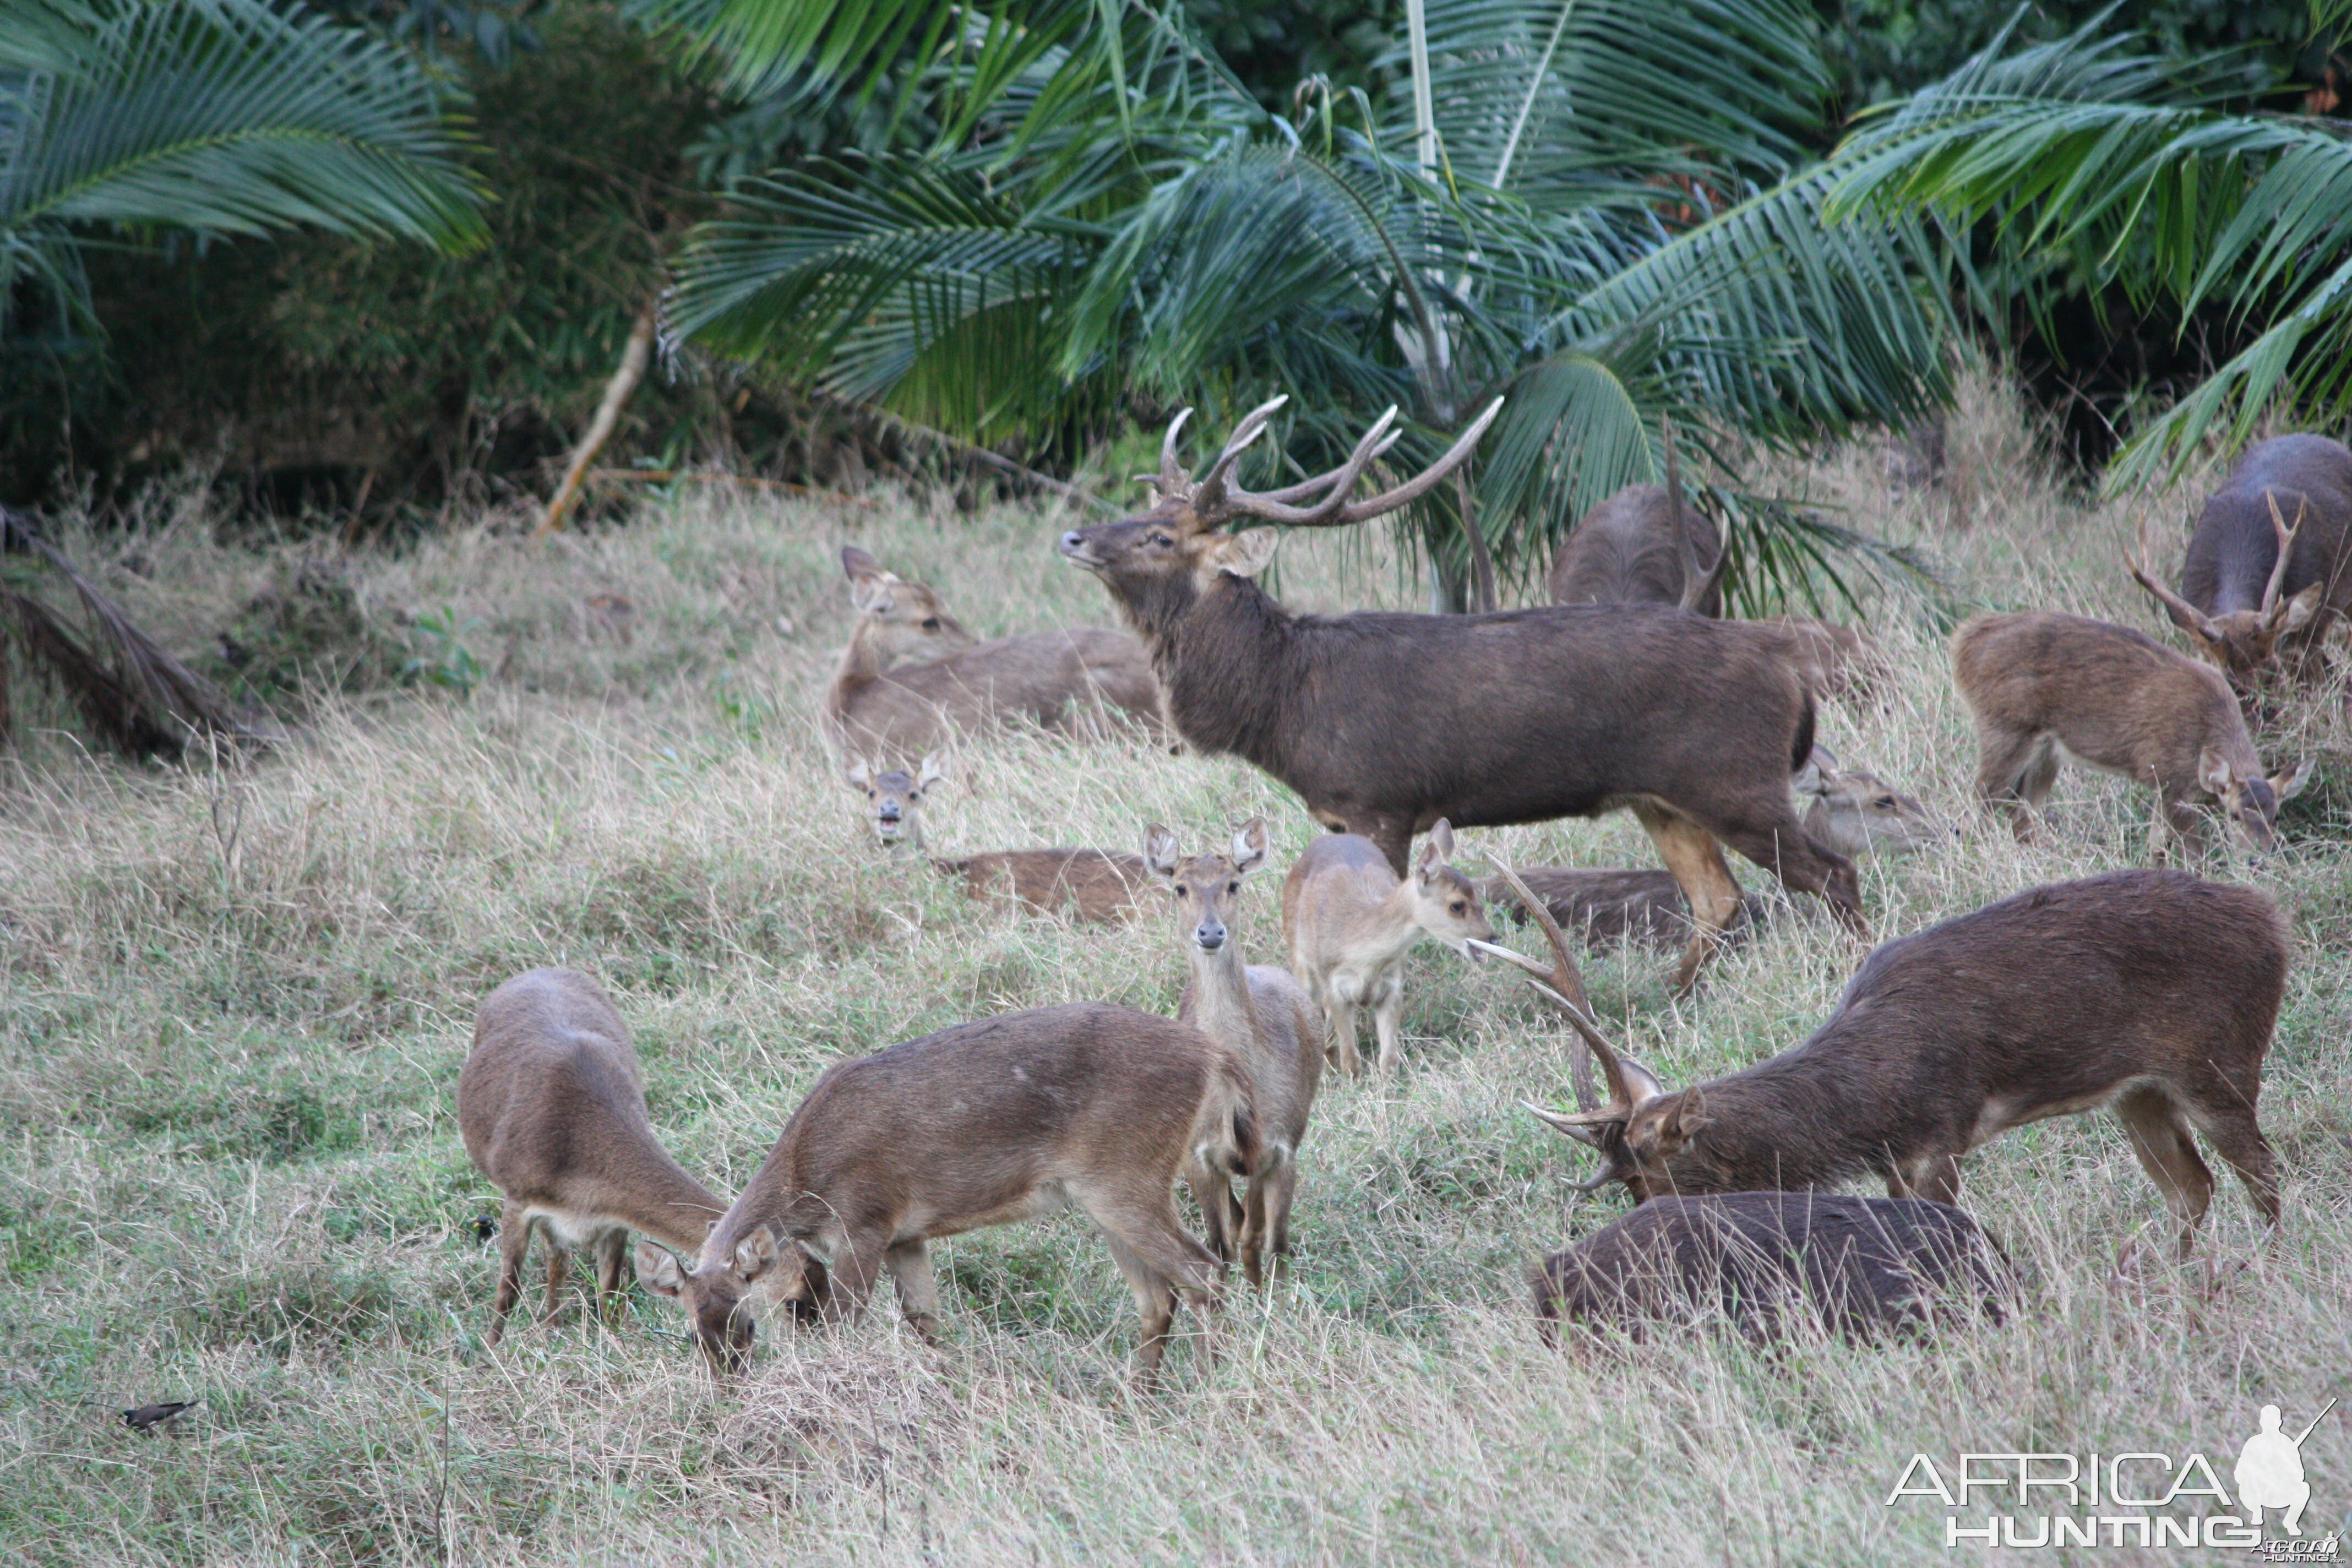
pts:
pixel 909 1263
pixel 1696 861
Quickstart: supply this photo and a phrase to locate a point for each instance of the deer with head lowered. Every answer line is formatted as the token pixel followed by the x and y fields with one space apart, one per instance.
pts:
pixel 1259 1012
pixel 2149 990
pixel 551 1104
pixel 2252 582
pixel 1087 1105
pixel 1386 722
pixel 1059 681
pixel 1349 920
pixel 2042 685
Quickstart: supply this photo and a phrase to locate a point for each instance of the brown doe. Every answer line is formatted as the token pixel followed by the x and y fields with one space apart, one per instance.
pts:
pixel 1066 681
pixel 551 1105
pixel 990 1122
pixel 1386 722
pixel 1259 1013
pixel 1858 814
pixel 1349 920
pixel 2041 684
pixel 1644 546
pixel 2149 990
pixel 1766 1263
pixel 2250 584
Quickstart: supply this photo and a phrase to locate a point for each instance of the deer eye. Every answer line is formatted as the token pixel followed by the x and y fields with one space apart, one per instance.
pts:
pixel 1458 907
pixel 1233 887
pixel 1884 803
pixel 1161 540
pixel 931 623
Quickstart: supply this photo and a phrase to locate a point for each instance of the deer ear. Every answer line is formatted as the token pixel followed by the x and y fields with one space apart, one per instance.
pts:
pixel 1250 846
pixel 932 774
pixel 859 772
pixel 2296 612
pixel 2213 772
pixel 1688 1117
pixel 2290 784
pixel 1160 851
pixel 755 1255
pixel 856 563
pixel 658 1272
pixel 1441 838
pixel 1247 553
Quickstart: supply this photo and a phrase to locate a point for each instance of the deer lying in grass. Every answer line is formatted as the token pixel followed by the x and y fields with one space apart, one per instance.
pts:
pixel 1065 681
pixel 2041 684
pixel 1383 722
pixel 2149 990
pixel 1852 811
pixel 1349 918
pixel 1101 886
pixel 1259 1013
pixel 551 1104
pixel 1644 546
pixel 1765 1263
pixel 989 1122
pixel 2251 585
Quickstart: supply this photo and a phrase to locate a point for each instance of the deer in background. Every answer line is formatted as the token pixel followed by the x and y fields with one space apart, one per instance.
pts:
pixel 1644 546
pixel 1385 722
pixel 2041 683
pixel 1001 1119
pixel 1259 1013
pixel 551 1105
pixel 2250 584
pixel 1348 920
pixel 2149 990
pixel 1100 886
pixel 1060 680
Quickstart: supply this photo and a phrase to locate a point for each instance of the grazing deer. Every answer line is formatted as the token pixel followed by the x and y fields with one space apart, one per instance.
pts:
pixel 1259 1013
pixel 1644 546
pixel 1059 681
pixel 2149 990
pixel 2041 683
pixel 1763 1263
pixel 2251 583
pixel 1089 885
pixel 1858 814
pixel 551 1104
pixel 895 796
pixel 1349 918
pixel 989 1122
pixel 1386 722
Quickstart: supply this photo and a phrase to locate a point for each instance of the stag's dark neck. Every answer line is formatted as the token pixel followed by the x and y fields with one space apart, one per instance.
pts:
pixel 1799 1119
pixel 1223 659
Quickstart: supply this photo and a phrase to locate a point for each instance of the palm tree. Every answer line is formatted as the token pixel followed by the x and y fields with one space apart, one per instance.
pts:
pixel 1087 221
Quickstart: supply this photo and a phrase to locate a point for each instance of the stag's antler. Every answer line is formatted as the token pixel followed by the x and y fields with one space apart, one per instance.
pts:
pixel 1697 584
pixel 2286 537
pixel 1216 498
pixel 2180 610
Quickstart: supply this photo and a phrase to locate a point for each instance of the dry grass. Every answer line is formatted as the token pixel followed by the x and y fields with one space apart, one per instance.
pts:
pixel 233 1005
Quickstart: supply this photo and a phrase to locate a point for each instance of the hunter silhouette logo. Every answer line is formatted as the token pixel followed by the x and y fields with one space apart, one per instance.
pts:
pixel 2269 1471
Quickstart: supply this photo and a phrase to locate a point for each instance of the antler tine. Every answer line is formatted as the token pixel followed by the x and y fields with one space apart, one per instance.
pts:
pixel 2180 610
pixel 1567 980
pixel 1208 495
pixel 1421 484
pixel 1335 508
pixel 2286 537
pixel 1172 470
pixel 1323 481
pixel 1342 479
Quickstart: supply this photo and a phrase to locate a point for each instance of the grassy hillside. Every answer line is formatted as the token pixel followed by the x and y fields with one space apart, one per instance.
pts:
pixel 234 1001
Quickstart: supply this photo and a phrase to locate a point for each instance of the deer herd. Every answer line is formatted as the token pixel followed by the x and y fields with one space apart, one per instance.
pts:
pixel 2151 991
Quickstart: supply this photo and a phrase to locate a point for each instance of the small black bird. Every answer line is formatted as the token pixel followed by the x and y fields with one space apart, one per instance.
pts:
pixel 147 1418
pixel 486 1226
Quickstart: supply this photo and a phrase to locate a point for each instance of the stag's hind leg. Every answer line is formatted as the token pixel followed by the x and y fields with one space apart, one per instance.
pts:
pixel 1696 861
pixel 2238 1138
pixel 1160 1259
pixel 514 1242
pixel 2160 1136
pixel 2014 776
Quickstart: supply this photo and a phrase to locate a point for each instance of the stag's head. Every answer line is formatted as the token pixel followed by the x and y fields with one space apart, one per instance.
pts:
pixel 899 619
pixel 895 796
pixel 2241 644
pixel 716 1289
pixel 1203 885
pixel 1157 564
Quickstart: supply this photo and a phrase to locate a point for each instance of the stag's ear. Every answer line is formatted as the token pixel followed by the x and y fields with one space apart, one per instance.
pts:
pixel 755 1255
pixel 859 772
pixel 1247 553
pixel 2296 613
pixel 2290 784
pixel 1160 851
pixel 2213 775
pixel 1686 1119
pixel 932 774
pixel 658 1272
pixel 1250 846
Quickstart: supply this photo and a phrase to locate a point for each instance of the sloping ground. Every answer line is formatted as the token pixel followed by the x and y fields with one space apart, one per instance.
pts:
pixel 233 1007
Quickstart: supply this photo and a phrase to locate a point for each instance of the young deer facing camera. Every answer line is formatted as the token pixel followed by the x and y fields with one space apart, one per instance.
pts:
pixel 552 1103
pixel 1258 1013
pixel 1349 920
pixel 1004 1118
pixel 2120 701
